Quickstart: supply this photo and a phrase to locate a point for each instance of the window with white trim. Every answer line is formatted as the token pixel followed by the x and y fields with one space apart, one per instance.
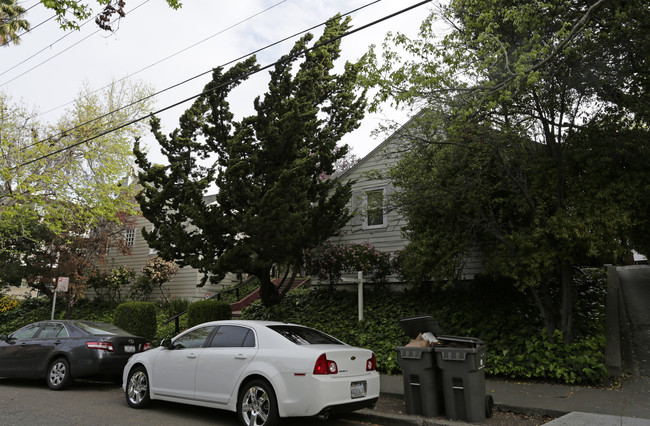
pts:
pixel 375 214
pixel 129 237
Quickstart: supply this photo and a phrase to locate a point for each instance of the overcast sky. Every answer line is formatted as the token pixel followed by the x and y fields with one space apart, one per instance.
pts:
pixel 163 47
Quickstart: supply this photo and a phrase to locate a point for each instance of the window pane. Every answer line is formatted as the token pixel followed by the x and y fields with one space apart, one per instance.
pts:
pixel 27 332
pixel 52 331
pixel 304 335
pixel 229 336
pixel 193 339
pixel 101 329
pixel 375 208
pixel 129 237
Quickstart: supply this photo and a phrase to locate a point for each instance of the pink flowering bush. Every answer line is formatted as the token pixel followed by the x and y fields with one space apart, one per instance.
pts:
pixel 155 273
pixel 329 261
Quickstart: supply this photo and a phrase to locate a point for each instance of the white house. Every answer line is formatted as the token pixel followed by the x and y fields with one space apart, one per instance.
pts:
pixel 375 221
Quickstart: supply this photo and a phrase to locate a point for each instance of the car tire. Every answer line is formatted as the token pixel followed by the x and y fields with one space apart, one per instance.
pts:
pixel 257 405
pixel 59 375
pixel 137 388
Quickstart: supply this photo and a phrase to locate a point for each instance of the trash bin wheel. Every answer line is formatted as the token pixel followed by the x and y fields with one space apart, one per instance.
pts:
pixel 489 406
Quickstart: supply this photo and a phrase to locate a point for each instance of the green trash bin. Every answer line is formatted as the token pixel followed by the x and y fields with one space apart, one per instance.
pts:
pixel 462 362
pixel 422 379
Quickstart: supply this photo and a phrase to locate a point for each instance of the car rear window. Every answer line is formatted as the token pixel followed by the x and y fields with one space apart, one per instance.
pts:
pixel 304 335
pixel 101 329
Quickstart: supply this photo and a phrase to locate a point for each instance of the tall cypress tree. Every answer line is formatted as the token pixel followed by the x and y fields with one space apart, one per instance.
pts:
pixel 274 198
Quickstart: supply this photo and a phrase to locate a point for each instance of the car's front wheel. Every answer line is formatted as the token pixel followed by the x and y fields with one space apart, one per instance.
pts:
pixel 137 388
pixel 58 374
pixel 256 405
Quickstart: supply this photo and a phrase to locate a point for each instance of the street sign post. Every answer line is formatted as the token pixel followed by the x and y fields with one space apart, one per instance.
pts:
pixel 61 286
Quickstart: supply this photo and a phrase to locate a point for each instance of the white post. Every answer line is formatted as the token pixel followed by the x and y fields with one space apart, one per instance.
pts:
pixel 53 304
pixel 360 295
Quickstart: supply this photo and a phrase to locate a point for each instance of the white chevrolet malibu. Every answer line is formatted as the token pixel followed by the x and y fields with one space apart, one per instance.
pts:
pixel 262 370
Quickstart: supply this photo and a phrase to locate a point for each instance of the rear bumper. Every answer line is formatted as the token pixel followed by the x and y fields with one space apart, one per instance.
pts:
pixel 104 364
pixel 350 406
pixel 313 395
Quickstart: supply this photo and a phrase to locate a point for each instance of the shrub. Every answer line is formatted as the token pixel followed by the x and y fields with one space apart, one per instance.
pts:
pixel 329 261
pixel 138 318
pixel 8 303
pixel 207 310
pixel 155 273
pixel 489 309
pixel 176 306
pixel 108 285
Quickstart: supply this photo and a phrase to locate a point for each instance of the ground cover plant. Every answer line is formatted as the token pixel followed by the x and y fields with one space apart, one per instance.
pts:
pixel 491 310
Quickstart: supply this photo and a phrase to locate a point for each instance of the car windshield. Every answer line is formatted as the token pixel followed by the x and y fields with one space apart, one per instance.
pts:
pixel 304 335
pixel 101 329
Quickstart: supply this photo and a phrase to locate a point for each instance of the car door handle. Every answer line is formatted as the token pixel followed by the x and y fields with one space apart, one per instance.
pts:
pixel 192 356
pixel 241 356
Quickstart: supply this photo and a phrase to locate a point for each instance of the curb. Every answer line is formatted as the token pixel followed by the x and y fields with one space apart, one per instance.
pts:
pixel 380 417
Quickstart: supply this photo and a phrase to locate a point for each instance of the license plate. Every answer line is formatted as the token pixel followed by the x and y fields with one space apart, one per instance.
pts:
pixel 357 389
pixel 129 348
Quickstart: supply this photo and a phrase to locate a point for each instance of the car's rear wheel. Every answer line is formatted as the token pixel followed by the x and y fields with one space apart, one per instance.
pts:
pixel 257 405
pixel 137 388
pixel 58 374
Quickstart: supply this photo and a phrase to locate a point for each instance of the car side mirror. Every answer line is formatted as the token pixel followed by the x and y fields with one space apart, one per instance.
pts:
pixel 4 337
pixel 167 343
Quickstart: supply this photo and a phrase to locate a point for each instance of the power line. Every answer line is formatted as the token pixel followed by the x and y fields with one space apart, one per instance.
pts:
pixel 170 56
pixel 30 29
pixel 61 52
pixel 44 49
pixel 64 132
pixel 290 57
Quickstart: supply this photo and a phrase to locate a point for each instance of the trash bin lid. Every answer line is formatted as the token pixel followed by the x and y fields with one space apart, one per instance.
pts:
pixel 416 325
pixel 463 342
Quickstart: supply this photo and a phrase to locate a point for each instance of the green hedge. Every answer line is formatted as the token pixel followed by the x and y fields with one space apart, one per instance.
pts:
pixel 504 318
pixel 138 318
pixel 207 310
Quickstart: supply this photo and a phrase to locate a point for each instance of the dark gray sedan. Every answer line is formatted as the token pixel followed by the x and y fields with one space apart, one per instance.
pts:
pixel 61 351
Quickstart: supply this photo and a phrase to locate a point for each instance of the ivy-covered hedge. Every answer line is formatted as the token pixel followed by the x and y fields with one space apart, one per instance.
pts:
pixel 207 310
pixel 138 318
pixel 505 319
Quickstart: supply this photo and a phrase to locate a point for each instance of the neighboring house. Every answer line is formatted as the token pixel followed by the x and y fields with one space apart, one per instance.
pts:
pixel 375 221
pixel 183 285
pixel 21 292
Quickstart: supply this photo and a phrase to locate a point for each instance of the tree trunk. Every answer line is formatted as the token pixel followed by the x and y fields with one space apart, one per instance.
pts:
pixel 545 309
pixel 268 292
pixel 566 309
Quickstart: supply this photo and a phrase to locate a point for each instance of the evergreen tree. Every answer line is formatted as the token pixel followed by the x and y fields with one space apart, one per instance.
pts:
pixel 274 199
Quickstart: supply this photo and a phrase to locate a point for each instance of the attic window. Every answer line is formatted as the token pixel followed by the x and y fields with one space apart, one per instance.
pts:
pixel 375 208
pixel 129 237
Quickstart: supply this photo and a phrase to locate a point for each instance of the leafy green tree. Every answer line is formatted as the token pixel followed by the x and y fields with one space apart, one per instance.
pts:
pixel 69 14
pixel 11 22
pixel 59 213
pixel 273 200
pixel 529 148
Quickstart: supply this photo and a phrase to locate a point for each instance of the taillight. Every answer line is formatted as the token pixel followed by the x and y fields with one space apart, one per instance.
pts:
pixel 147 346
pixel 325 366
pixel 371 364
pixel 105 346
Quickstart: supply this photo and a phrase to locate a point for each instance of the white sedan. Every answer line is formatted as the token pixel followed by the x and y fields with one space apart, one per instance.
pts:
pixel 263 370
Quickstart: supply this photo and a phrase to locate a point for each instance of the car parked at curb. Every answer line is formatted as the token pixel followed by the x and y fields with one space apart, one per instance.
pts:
pixel 263 370
pixel 62 350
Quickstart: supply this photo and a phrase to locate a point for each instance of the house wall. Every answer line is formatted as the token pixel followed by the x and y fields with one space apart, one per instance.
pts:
pixel 183 285
pixel 387 238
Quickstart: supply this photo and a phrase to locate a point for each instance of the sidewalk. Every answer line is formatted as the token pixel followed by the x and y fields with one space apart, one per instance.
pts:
pixel 628 404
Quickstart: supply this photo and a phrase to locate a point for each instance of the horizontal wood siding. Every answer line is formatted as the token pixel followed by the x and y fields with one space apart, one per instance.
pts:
pixel 389 238
pixel 183 285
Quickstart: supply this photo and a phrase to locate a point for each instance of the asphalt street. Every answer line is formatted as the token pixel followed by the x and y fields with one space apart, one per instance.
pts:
pixel 31 402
